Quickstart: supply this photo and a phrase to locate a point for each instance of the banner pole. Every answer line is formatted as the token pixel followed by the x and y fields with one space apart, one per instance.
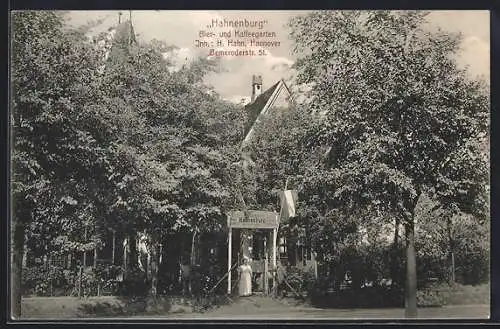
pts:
pixel 275 269
pixel 229 254
pixel 266 269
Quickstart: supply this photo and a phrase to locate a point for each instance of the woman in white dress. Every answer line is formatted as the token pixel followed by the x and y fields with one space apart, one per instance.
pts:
pixel 245 278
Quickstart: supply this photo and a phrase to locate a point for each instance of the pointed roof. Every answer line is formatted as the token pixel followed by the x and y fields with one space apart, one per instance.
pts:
pixel 123 38
pixel 253 109
pixel 125 33
pixel 260 106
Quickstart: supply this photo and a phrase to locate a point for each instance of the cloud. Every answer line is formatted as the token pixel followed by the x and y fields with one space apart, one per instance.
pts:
pixel 179 57
pixel 475 55
pixel 474 25
pixel 277 63
pixel 238 99
pixel 236 80
pixel 182 28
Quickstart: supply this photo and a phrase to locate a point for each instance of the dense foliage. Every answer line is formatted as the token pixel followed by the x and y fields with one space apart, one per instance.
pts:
pixel 115 141
pixel 393 140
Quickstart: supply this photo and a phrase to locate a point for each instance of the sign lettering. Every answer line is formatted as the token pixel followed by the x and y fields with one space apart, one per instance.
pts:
pixel 253 219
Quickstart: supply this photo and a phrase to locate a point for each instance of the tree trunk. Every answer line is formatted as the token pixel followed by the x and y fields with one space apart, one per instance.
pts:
pixel 85 250
pixel 51 281
pixel 394 255
pixel 193 273
pixel 453 280
pixel 154 267
pixel 411 260
pixel 80 274
pixel 69 260
pixel 113 250
pixel 452 249
pixel 133 251
pixel 411 272
pixel 356 277
pixel 25 254
pixel 17 267
pixel 193 247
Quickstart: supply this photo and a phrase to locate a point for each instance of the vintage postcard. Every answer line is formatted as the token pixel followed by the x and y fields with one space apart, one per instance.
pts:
pixel 250 165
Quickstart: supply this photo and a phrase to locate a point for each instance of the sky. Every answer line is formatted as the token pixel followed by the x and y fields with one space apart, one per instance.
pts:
pixel 182 29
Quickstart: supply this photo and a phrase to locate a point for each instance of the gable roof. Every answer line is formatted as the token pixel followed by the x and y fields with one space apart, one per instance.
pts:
pixel 253 109
pixel 260 106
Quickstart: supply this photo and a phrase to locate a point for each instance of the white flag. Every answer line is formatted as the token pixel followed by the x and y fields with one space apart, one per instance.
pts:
pixel 288 202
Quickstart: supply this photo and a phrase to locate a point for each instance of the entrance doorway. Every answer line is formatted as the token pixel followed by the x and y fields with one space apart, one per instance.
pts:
pixel 257 233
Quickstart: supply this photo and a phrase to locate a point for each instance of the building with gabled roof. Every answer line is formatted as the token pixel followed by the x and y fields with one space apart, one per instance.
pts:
pixel 293 252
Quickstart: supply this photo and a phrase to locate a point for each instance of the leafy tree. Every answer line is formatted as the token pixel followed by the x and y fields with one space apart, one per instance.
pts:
pixel 107 137
pixel 180 137
pixel 395 106
pixel 55 159
pixel 463 188
pixel 277 154
pixel 454 248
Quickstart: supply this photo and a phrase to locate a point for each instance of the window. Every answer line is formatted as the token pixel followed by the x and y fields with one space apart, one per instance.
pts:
pixel 303 247
pixel 282 247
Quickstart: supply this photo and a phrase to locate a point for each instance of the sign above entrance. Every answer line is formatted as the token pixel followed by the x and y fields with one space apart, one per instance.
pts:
pixel 255 219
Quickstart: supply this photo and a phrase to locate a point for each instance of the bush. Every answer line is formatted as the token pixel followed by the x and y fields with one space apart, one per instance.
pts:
pixel 300 280
pixel 135 283
pixel 106 272
pixel 473 269
pixel 209 280
pixel 89 282
pixel 106 276
pixel 44 281
pixel 34 281
pixel 440 294
pixel 433 296
pixel 57 281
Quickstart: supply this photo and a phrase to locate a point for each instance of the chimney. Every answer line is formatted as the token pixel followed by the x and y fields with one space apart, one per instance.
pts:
pixel 256 86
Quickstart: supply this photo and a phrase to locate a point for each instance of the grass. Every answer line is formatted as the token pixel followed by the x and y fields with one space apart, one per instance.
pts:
pixel 109 306
pixel 469 295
